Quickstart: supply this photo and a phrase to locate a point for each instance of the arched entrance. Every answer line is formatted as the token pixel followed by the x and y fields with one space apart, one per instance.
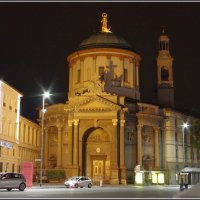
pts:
pixel 96 154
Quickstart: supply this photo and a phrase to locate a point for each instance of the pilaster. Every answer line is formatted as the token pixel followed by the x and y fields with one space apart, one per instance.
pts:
pixel 114 177
pixel 46 147
pixel 156 152
pixel 59 149
pixel 122 165
pixel 139 144
pixel 70 126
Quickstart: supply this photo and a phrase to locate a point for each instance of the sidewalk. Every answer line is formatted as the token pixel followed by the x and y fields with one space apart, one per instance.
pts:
pixel 48 185
pixel 61 185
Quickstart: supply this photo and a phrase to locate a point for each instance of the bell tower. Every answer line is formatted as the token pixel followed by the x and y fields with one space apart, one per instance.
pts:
pixel 165 83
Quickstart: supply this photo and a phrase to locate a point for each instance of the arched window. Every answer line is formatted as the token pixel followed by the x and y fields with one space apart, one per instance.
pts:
pixel 164 74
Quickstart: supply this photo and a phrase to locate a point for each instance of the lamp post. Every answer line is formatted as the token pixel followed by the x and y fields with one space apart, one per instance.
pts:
pixel 45 95
pixel 185 125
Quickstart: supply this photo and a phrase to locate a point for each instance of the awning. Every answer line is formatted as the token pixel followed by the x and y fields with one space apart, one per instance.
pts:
pixel 190 170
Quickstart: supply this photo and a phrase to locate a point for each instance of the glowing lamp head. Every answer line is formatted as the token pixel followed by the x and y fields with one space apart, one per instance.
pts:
pixel 46 94
pixel 185 125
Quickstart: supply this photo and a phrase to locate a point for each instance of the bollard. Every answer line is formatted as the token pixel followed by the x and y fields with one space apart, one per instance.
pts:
pixel 101 183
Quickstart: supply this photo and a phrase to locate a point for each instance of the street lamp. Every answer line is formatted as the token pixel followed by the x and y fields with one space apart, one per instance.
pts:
pixel 45 95
pixel 184 126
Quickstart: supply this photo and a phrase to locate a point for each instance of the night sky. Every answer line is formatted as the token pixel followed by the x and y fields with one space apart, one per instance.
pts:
pixel 36 38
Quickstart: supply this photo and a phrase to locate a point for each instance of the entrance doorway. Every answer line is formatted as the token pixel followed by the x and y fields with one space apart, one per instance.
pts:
pixel 98 168
pixel 96 154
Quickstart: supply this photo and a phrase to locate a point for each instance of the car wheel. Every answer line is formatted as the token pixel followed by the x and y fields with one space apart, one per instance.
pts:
pixel 22 187
pixel 9 189
pixel 76 185
pixel 89 185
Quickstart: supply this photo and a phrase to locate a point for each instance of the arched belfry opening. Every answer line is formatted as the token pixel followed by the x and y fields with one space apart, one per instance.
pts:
pixel 164 74
pixel 96 154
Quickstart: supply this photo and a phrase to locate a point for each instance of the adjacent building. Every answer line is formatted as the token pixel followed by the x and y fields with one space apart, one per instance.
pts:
pixel 19 137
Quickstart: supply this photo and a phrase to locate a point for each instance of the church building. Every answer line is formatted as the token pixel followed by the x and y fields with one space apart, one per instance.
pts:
pixel 103 130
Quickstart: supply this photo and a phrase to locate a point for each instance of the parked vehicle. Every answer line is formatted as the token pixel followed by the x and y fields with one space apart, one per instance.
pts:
pixel 78 181
pixel 12 180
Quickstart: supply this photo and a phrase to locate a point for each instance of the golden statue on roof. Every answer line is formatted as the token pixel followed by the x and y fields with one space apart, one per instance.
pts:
pixel 104 22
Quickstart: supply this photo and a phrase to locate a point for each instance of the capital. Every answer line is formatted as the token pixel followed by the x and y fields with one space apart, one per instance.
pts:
pixel 70 122
pixel 114 122
pixel 122 122
pixel 76 122
pixel 139 126
pixel 156 129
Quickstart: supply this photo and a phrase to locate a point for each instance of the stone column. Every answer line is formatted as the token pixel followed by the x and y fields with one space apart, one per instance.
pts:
pixel 122 69
pixel 156 154
pixel 70 124
pixel 114 178
pixel 122 165
pixel 139 144
pixel 76 147
pixel 59 147
pixel 82 71
pixel 93 69
pixel 70 77
pixel 137 74
pixel 46 147
pixel 131 74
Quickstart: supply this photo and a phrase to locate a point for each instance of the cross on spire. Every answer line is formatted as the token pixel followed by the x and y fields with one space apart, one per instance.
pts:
pixel 163 30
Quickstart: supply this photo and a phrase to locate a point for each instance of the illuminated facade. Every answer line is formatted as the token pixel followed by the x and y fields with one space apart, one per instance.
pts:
pixel 103 130
pixel 19 137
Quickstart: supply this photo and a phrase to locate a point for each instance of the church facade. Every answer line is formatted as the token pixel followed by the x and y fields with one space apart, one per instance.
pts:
pixel 104 131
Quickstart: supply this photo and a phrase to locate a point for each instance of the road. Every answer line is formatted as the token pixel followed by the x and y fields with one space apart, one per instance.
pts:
pixel 115 192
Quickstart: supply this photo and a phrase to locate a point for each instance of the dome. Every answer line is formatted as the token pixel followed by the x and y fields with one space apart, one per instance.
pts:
pixel 104 40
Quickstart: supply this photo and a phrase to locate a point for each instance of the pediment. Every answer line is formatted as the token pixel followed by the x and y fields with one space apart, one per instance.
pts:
pixel 95 103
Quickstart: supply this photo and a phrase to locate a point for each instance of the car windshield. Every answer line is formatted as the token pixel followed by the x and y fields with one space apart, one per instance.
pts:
pixel 74 178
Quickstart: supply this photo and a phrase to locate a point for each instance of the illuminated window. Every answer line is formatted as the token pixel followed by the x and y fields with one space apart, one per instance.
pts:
pixel 125 75
pixel 154 178
pixel 139 178
pixel 161 178
pixel 29 135
pixel 24 133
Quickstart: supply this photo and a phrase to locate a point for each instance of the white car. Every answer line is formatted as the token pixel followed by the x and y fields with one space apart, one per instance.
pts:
pixel 78 181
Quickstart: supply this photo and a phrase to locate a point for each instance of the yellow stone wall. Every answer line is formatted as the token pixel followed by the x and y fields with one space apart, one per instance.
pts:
pixel 19 137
